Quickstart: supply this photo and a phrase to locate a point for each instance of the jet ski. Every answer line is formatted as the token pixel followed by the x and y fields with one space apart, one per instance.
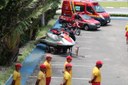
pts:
pixel 58 41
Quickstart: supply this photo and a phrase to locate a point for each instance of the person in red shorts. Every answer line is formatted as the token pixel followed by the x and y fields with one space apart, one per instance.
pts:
pixel 48 65
pixel 126 34
pixel 17 75
pixel 96 74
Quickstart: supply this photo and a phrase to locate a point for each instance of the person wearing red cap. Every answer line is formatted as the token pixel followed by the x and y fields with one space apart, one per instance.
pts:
pixel 96 74
pixel 41 79
pixel 68 60
pixel 17 75
pixel 67 78
pixel 48 65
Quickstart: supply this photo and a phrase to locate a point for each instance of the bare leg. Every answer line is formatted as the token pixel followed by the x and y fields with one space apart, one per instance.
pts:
pixel 127 41
pixel 77 50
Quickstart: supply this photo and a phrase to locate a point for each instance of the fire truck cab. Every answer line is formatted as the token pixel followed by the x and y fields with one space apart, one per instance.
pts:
pixel 90 8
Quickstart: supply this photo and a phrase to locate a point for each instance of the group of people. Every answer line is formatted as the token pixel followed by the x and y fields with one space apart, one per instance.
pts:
pixel 45 73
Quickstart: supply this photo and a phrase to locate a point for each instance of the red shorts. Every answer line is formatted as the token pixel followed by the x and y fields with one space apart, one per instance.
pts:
pixel 126 34
pixel 48 80
pixel 96 83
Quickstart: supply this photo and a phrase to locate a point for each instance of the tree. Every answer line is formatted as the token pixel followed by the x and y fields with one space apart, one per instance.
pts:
pixel 18 18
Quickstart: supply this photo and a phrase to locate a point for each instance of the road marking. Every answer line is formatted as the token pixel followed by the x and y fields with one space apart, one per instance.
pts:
pixel 62 77
pixel 72 78
pixel 123 7
pixel 73 65
pixel 109 7
pixel 85 48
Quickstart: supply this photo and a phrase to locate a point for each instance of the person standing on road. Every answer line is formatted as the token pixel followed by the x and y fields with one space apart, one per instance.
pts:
pixel 67 78
pixel 126 33
pixel 48 65
pixel 17 75
pixel 96 74
pixel 68 61
pixel 41 79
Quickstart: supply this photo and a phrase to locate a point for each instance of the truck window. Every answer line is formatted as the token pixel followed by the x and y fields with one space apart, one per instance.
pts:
pixel 89 9
pixel 79 8
pixel 78 17
pixel 98 8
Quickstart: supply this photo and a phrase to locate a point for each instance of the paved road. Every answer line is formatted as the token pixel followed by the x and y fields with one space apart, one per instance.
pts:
pixel 116 10
pixel 108 45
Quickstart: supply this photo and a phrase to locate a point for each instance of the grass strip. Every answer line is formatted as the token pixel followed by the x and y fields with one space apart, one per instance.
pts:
pixel 114 4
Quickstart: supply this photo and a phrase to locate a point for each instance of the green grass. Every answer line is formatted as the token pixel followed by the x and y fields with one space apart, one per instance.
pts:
pixel 26 50
pixel 4 75
pixel 114 4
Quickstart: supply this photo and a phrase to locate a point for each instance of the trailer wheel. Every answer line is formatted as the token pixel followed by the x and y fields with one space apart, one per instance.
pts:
pixel 53 50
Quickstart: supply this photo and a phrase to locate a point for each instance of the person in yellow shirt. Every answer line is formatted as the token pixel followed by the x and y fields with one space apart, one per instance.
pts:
pixel 96 74
pixel 68 60
pixel 41 79
pixel 67 79
pixel 48 65
pixel 17 75
pixel 126 33
pixel 126 28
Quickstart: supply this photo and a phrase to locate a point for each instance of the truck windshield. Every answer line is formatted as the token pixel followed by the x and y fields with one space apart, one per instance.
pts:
pixel 98 9
pixel 84 16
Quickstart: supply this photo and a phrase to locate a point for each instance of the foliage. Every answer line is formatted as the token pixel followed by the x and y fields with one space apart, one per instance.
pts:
pixel 26 49
pixel 19 19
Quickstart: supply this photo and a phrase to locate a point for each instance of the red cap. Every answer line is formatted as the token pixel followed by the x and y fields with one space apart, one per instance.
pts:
pixel 68 65
pixel 99 62
pixel 18 65
pixel 48 56
pixel 42 66
pixel 69 57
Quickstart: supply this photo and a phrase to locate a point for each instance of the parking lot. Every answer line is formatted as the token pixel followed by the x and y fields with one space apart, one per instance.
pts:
pixel 106 44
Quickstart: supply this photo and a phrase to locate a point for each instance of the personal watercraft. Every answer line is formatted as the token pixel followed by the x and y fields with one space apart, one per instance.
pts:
pixel 58 41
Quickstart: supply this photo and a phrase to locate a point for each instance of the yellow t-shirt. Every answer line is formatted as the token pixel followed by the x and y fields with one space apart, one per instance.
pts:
pixel 126 28
pixel 42 78
pixel 17 78
pixel 67 76
pixel 65 69
pixel 49 69
pixel 96 72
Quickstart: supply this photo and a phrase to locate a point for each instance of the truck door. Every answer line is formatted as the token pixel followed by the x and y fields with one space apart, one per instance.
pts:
pixel 90 10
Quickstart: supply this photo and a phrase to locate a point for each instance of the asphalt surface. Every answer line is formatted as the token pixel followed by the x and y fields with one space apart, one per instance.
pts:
pixel 116 10
pixel 107 44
